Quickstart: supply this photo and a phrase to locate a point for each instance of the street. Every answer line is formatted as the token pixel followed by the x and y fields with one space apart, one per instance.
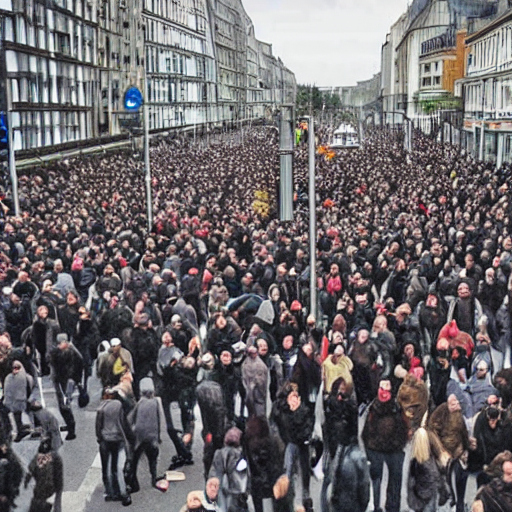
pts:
pixel 83 488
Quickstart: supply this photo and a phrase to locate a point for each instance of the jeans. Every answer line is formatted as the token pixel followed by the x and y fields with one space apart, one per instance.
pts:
pixel 291 454
pixel 109 452
pixel 64 394
pixel 394 461
pixel 151 452
pixel 461 479
pixel 180 447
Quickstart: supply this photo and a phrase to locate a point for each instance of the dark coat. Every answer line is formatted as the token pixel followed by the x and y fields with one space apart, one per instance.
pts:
pixel 294 426
pixel 67 364
pixel 351 480
pixel 307 374
pixel 424 482
pixel 68 319
pixel 11 475
pixel 385 429
pixel 265 456
pixel 451 430
pixel 340 426
pixel 489 442
pixel 230 381
pixel 496 496
pixel 213 412
pixel 113 321
pixel 143 344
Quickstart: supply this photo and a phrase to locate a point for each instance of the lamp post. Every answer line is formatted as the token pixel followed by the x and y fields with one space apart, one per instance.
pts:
pixel 312 218
pixel 12 159
pixel 147 163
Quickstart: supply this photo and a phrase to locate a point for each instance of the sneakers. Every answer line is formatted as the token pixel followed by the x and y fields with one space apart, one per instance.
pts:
pixel 70 436
pixel 308 505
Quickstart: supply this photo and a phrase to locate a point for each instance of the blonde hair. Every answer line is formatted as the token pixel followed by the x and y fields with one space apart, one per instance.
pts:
pixel 420 446
pixel 426 444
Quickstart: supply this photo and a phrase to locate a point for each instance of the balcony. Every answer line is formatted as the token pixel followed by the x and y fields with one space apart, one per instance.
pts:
pixel 442 42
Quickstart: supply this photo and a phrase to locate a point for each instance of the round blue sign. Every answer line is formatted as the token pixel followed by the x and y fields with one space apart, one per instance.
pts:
pixel 133 99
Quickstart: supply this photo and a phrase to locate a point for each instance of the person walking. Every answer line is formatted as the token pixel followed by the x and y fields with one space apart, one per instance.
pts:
pixel 146 420
pixel 112 433
pixel 385 437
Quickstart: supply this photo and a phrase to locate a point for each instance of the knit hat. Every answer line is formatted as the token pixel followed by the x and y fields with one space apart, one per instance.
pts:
pixel 266 312
pixel 146 385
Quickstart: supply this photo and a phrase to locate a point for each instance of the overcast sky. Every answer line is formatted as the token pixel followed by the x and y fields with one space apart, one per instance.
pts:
pixel 326 42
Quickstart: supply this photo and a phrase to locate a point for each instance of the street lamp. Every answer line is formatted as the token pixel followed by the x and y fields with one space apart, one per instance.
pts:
pixel 312 218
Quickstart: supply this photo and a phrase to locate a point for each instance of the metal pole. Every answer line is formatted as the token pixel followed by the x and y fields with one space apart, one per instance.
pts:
pixel 312 218
pixel 147 164
pixel 481 154
pixel 12 157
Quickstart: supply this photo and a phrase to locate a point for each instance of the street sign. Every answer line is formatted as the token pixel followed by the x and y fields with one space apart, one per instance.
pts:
pixel 133 99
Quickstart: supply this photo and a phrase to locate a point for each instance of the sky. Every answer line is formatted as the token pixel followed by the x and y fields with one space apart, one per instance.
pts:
pixel 326 42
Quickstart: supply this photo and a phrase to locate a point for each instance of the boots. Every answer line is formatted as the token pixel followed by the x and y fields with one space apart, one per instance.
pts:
pixel 308 505
pixel 71 432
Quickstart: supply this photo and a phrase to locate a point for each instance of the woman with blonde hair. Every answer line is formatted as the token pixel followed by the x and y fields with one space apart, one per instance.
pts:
pixel 427 487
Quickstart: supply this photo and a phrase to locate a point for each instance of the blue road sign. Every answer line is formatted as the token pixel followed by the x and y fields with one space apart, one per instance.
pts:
pixel 133 99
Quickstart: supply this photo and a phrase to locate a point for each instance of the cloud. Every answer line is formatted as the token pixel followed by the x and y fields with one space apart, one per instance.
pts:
pixel 327 42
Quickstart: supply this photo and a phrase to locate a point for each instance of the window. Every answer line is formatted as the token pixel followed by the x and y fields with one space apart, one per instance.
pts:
pixel 437 80
pixel 426 68
pixel 427 81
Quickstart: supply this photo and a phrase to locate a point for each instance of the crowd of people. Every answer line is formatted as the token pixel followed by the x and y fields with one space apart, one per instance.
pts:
pixel 411 346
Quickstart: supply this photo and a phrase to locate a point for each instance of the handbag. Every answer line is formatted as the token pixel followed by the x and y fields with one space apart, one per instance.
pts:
pixel 83 398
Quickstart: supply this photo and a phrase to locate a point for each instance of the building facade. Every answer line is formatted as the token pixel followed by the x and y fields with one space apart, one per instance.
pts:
pixel 66 65
pixel 487 91
pixel 421 59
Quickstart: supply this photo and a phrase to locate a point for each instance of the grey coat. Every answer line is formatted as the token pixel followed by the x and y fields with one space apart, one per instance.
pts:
pixel 17 389
pixel 146 420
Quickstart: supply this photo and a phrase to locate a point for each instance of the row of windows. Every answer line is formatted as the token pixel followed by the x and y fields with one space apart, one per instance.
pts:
pixel 160 60
pixel 163 33
pixel 65 36
pixel 497 101
pixel 37 129
pixel 429 81
pixel 165 90
pixel 35 11
pixel 493 51
pixel 183 12
pixel 48 81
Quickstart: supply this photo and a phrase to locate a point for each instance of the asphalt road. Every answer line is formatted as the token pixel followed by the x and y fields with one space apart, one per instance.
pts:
pixel 83 488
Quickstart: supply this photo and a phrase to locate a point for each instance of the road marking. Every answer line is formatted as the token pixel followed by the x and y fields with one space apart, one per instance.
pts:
pixel 78 500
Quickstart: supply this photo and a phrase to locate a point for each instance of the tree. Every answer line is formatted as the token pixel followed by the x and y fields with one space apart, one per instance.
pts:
pixel 308 98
